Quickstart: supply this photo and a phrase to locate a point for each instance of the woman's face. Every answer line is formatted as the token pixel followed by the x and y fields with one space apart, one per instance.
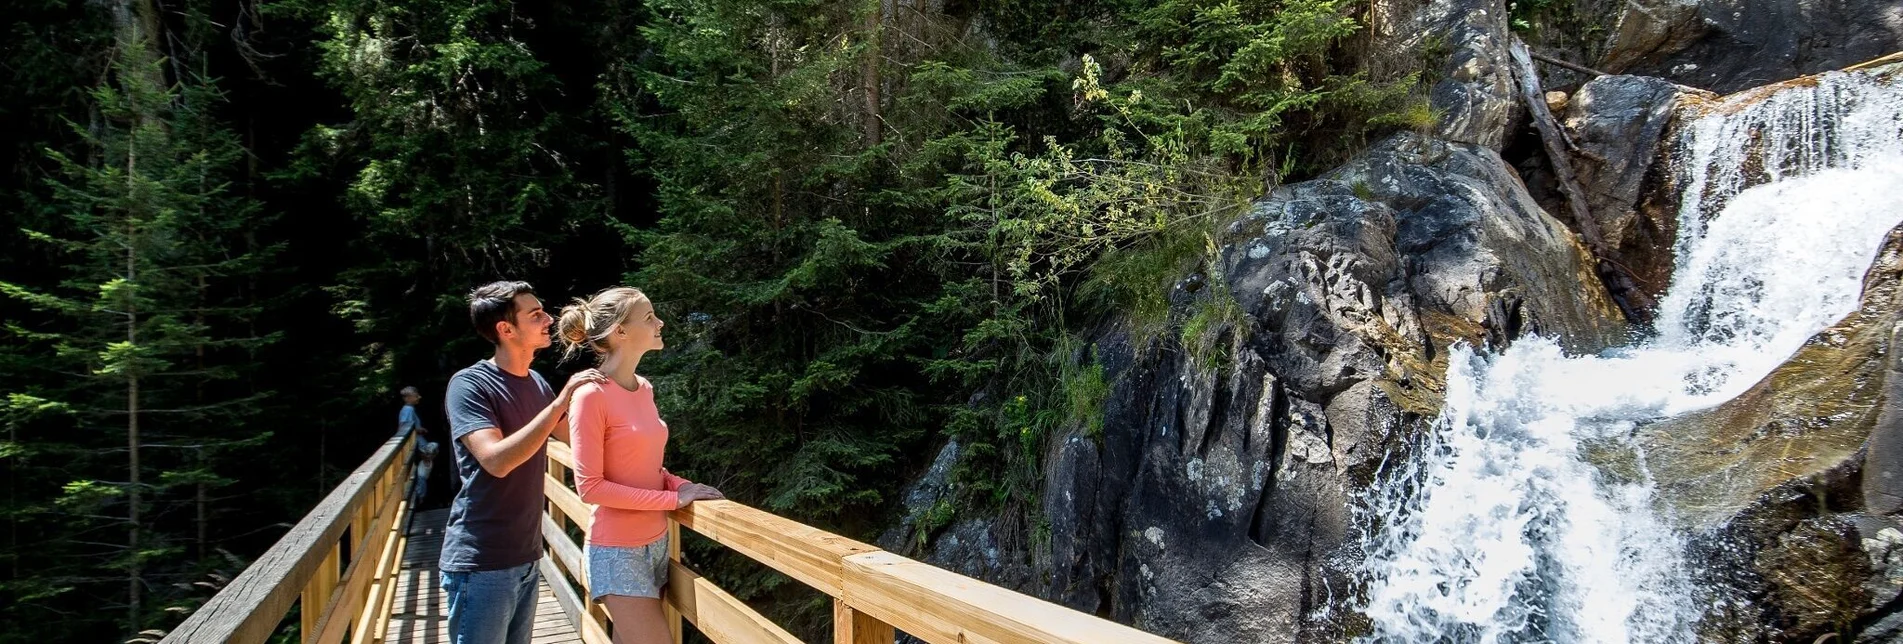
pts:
pixel 641 331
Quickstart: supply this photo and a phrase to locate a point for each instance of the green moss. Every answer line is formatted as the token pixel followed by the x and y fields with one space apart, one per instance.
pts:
pixel 1135 281
pixel 1216 317
pixel 1083 390
pixel 1362 191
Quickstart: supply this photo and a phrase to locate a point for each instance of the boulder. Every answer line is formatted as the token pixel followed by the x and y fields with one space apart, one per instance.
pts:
pixel 1473 93
pixel 1618 124
pixel 1730 45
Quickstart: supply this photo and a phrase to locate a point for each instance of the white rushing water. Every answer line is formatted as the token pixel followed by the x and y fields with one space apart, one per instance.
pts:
pixel 1498 531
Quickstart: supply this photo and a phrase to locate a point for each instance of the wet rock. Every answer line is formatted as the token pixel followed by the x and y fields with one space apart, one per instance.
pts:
pixel 1811 415
pixel 1883 458
pixel 1618 124
pixel 1730 45
pixel 1881 542
pixel 1216 505
pixel 1815 573
pixel 1776 483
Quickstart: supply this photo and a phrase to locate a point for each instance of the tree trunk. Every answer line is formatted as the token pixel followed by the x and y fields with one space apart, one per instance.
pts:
pixel 137 41
pixel 132 412
pixel 203 508
pixel 869 73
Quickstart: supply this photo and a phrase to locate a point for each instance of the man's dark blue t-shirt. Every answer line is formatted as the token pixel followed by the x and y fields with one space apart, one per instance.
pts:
pixel 494 523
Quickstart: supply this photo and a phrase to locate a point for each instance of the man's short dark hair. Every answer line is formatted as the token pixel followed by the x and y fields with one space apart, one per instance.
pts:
pixel 494 302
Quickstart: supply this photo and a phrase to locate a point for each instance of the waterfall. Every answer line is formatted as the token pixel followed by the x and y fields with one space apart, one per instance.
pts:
pixel 1498 530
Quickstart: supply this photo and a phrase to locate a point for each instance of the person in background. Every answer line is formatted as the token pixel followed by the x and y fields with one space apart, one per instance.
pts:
pixel 425 453
pixel 619 439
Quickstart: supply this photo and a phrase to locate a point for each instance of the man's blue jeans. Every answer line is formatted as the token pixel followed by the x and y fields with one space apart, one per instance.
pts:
pixel 492 606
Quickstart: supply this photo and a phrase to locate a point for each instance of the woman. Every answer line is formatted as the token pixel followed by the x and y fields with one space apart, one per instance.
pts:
pixel 619 438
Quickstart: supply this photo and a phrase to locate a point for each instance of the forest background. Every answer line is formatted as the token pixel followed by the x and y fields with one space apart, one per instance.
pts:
pixel 232 229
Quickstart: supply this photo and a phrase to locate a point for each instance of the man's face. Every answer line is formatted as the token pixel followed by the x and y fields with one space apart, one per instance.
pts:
pixel 531 323
pixel 412 398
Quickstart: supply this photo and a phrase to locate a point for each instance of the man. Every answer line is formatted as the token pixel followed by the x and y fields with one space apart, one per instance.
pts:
pixel 426 448
pixel 501 415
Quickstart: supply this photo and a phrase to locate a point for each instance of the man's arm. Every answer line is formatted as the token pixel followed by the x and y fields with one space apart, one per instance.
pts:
pixel 560 432
pixel 499 455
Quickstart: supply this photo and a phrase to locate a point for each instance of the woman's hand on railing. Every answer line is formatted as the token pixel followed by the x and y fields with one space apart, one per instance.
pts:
pixel 691 492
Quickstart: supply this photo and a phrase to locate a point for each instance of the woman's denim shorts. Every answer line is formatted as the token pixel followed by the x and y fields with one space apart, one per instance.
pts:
pixel 640 571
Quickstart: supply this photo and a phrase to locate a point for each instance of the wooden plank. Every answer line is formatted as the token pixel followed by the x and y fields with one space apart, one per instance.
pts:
pixel 346 603
pixel 565 597
pixel 668 613
pixel 559 472
pixel 569 502
pixel 810 555
pixel 944 607
pixel 390 564
pixel 389 598
pixel 562 454
pixel 317 591
pixel 248 609
pixel 851 626
pixel 720 616
pixel 564 551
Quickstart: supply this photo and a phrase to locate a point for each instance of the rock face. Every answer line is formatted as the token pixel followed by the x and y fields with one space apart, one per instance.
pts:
pixel 1618 124
pixel 1218 502
pixel 1730 45
pixel 1474 95
pixel 1215 505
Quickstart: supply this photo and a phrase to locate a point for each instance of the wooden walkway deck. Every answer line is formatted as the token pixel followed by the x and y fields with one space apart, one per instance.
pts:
pixel 421 612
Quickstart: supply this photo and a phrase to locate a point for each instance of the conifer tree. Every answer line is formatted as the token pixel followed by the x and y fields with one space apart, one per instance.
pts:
pixel 144 344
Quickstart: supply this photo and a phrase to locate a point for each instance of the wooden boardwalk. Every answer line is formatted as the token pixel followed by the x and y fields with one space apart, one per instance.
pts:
pixel 421 612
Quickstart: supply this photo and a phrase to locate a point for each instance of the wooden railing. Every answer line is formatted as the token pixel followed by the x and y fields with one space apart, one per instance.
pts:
pixel 338 565
pixel 874 592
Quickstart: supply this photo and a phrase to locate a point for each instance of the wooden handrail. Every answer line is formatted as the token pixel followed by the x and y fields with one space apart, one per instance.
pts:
pixel 873 590
pixel 368 506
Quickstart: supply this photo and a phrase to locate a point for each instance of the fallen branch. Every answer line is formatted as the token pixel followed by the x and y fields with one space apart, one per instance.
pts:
pixel 1555 141
pixel 1618 280
pixel 1892 58
pixel 1560 63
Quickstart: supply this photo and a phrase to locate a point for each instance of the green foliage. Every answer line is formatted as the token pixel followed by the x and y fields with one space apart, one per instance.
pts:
pixel 452 168
pixel 858 283
pixel 1135 281
pixel 937 518
pixel 1085 390
pixel 1216 316
pixel 136 397
pixel 871 228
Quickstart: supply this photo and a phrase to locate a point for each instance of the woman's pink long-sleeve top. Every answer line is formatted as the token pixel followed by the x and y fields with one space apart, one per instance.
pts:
pixel 619 438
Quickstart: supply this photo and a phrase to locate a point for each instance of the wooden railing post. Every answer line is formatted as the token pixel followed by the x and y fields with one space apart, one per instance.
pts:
pixel 853 627
pixel 559 472
pixel 671 614
pixel 317 593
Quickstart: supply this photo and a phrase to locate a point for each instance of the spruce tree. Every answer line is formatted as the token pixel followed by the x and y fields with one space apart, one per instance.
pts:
pixel 144 347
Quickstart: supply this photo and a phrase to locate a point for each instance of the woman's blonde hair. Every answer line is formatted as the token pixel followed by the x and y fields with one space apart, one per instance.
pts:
pixel 589 322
